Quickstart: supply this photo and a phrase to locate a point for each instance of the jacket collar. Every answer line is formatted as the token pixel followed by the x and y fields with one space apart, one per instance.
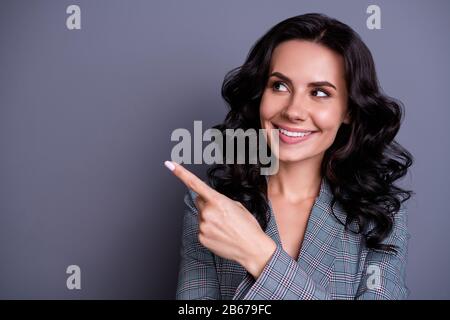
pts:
pixel 320 220
pixel 318 248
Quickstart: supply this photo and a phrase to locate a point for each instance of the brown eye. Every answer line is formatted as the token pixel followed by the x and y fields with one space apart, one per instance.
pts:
pixel 278 85
pixel 320 93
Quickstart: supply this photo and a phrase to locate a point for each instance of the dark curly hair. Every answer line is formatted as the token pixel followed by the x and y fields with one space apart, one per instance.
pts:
pixel 364 160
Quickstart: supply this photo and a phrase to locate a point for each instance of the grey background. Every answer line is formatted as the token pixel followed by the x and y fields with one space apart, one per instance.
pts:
pixel 86 118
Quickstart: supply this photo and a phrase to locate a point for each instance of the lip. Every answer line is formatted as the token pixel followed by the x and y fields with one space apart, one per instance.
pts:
pixel 291 129
pixel 293 140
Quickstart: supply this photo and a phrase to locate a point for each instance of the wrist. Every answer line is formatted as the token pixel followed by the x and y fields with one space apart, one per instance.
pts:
pixel 256 260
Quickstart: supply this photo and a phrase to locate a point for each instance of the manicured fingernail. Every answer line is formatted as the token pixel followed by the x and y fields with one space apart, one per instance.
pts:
pixel 169 165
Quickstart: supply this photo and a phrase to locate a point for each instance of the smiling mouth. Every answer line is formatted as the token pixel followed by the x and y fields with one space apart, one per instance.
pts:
pixel 291 136
pixel 293 132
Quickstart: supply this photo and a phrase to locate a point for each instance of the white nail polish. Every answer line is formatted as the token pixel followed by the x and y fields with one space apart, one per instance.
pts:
pixel 169 165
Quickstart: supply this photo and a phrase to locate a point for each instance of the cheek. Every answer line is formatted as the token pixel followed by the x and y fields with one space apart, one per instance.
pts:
pixel 264 114
pixel 268 109
pixel 329 122
pixel 328 119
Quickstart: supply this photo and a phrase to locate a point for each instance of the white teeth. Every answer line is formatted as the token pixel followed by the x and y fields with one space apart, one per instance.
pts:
pixel 294 134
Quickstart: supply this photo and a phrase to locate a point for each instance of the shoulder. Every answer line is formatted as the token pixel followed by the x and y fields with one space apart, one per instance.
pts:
pixel 399 234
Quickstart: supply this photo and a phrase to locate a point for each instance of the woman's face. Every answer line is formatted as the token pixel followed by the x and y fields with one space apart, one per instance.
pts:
pixel 306 91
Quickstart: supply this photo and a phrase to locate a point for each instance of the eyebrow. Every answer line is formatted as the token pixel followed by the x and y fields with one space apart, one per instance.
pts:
pixel 311 84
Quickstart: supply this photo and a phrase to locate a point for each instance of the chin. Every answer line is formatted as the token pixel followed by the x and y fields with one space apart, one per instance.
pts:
pixel 292 156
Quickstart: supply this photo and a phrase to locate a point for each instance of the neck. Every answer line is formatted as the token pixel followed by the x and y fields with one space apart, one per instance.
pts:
pixel 296 181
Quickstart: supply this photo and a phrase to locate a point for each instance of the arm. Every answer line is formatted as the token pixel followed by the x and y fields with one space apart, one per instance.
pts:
pixel 197 278
pixel 282 278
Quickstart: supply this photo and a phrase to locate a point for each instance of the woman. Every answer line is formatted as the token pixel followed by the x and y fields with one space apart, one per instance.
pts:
pixel 329 224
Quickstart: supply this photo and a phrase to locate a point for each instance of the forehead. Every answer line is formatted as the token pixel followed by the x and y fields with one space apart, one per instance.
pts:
pixel 306 61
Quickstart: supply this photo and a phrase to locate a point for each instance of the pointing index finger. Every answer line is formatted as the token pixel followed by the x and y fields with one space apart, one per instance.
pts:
pixel 191 180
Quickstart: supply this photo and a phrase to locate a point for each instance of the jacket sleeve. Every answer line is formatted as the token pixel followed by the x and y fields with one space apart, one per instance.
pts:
pixel 197 277
pixel 383 276
pixel 283 279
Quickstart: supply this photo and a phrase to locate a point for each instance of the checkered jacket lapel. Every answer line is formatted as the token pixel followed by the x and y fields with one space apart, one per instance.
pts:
pixel 318 249
pixel 248 281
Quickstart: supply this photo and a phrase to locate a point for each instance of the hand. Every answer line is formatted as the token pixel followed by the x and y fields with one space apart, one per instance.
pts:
pixel 226 227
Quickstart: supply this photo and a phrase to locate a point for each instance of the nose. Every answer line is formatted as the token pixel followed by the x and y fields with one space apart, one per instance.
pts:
pixel 296 110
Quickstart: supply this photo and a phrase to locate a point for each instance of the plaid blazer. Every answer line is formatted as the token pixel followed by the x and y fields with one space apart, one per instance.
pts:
pixel 333 263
